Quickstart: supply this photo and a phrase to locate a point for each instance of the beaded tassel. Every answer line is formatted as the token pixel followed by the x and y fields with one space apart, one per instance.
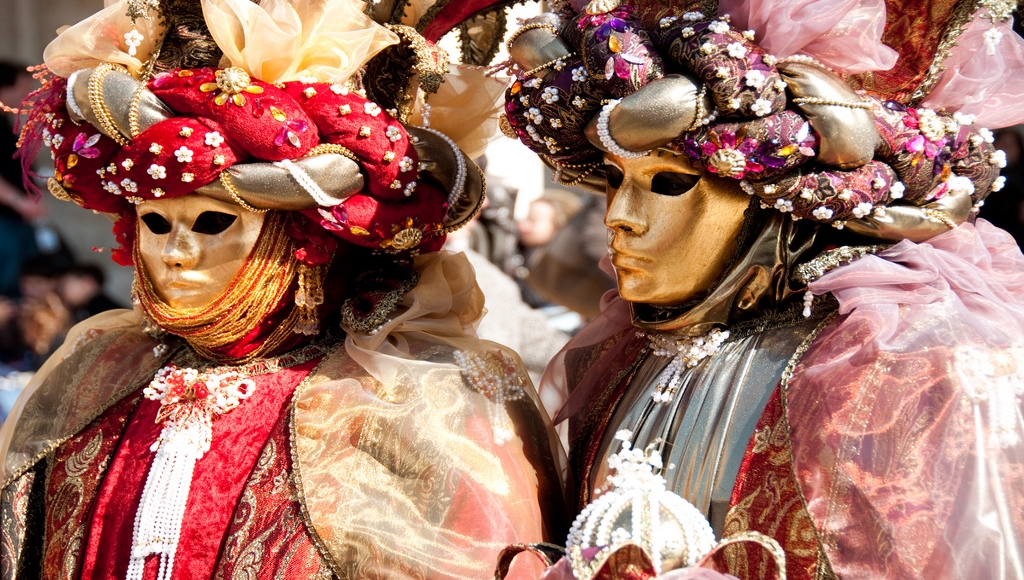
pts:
pixel 499 379
pixel 685 353
pixel 189 401
pixel 308 297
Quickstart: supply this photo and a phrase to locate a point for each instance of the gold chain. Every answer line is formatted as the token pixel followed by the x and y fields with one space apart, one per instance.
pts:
pixel 258 289
pixel 226 182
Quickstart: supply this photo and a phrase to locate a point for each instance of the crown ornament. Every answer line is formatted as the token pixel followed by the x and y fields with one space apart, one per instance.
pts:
pixel 636 507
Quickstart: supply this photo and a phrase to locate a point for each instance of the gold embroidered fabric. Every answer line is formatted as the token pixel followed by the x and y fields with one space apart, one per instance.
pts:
pixel 74 387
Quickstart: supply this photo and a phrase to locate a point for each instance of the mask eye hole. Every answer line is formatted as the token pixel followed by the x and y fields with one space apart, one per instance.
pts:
pixel 157 223
pixel 213 222
pixel 614 176
pixel 673 184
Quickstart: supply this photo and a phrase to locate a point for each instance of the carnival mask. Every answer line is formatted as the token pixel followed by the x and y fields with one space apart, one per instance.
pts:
pixel 193 246
pixel 673 230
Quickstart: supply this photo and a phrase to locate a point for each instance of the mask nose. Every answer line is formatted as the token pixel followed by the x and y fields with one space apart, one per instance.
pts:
pixel 626 209
pixel 181 250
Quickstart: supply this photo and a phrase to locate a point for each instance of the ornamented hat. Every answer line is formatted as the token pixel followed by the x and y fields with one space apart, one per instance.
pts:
pixel 835 116
pixel 301 106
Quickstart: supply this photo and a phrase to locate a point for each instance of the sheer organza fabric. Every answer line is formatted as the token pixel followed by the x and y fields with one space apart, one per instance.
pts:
pixel 846 35
pixel 890 441
pixel 394 454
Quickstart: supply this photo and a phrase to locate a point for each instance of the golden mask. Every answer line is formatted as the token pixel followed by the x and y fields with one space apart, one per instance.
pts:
pixel 193 246
pixel 673 230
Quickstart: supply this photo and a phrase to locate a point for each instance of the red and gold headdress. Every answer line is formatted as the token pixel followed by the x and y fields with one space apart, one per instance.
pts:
pixel 306 106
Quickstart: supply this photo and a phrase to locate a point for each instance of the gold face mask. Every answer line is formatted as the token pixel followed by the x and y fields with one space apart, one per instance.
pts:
pixel 193 246
pixel 673 230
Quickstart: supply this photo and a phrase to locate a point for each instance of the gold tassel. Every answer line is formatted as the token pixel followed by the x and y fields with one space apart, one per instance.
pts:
pixel 308 297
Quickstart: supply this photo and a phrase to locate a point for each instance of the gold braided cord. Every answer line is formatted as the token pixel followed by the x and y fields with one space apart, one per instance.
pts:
pixel 332 148
pixel 99 106
pixel 259 288
pixel 235 195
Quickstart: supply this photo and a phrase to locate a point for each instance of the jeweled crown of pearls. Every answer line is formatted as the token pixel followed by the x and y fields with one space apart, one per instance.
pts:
pixel 636 506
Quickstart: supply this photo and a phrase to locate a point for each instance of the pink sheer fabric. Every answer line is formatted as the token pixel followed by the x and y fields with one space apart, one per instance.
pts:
pixel 983 84
pixel 905 414
pixel 843 34
pixel 554 393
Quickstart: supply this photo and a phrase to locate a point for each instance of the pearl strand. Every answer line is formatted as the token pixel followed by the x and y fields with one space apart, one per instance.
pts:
pixel 604 134
pixel 308 183
pixel 460 173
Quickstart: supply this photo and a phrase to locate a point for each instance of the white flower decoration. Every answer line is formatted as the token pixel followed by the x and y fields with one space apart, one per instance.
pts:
pixel 997 158
pixel 129 185
pixel 722 72
pixel 897 189
pixel 133 39
pixel 784 205
pixel 579 74
pixel 707 47
pixel 405 164
pixel 718 27
pixel 846 194
pixel 155 148
pixel 822 213
pixel 533 114
pixel 754 78
pixel 736 50
pixel 998 184
pixel 533 83
pixel 761 107
pixel 214 139
pixel 550 95
pixel 987 135
pixel 877 183
pixel 58 140
pixel 393 133
pixel 47 137
pixel 734 103
pixel 556 123
pixel 371 109
pixel 579 102
pixel 157 171
pixel 693 16
pixel 112 187
pixel 339 89
pixel 184 154
pixel 862 209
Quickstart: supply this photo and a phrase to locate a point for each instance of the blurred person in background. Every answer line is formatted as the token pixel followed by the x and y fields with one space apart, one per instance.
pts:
pixel 81 291
pixel 507 319
pixel 1006 210
pixel 547 214
pixel 17 210
pixel 565 270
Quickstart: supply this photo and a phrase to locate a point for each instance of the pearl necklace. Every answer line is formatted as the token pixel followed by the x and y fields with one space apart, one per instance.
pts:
pixel 190 401
pixel 686 353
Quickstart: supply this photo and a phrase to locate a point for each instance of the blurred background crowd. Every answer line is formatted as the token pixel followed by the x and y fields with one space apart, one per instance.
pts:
pixel 536 246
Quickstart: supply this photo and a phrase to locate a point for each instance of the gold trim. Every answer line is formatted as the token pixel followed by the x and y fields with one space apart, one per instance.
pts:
pixel 962 16
pixel 829 260
pixel 57 191
pixel 323 148
pixel 300 494
pixel 230 187
pixel 447 229
pixel 99 108
pixel 787 374
pixel 114 399
pixel 133 111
